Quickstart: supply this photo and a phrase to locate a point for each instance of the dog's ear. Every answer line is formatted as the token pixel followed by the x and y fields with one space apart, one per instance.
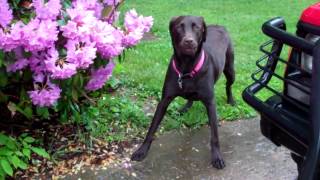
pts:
pixel 172 22
pixel 204 30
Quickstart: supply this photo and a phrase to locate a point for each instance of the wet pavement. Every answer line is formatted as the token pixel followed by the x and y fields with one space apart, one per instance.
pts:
pixel 185 154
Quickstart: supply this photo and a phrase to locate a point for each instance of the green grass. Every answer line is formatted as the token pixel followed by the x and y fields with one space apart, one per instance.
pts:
pixel 144 66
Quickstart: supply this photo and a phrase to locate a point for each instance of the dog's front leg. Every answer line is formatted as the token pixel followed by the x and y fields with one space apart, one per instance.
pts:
pixel 217 160
pixel 141 153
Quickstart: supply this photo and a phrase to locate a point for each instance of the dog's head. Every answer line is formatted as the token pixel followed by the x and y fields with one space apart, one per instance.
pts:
pixel 187 34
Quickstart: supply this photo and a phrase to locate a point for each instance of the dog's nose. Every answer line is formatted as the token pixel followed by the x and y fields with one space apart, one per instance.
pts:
pixel 188 41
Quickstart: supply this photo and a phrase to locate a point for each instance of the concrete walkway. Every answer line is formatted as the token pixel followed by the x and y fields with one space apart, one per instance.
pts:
pixel 186 155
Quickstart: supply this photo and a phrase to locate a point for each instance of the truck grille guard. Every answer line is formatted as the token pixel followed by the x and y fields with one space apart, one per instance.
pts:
pixel 276 29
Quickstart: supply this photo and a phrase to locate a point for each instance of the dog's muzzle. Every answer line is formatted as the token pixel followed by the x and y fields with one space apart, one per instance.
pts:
pixel 188 46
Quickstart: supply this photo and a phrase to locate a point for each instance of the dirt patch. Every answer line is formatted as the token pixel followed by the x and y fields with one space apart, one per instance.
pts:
pixel 71 149
pixel 149 36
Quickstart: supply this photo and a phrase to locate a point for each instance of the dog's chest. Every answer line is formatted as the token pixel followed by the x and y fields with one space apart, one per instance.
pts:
pixel 189 89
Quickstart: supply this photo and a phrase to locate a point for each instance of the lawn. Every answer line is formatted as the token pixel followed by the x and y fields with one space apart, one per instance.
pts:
pixel 143 69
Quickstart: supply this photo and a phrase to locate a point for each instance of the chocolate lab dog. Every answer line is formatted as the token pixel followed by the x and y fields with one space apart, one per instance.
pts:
pixel 201 54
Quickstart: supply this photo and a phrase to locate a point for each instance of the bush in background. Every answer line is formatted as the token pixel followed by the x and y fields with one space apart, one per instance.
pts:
pixel 53 55
pixel 54 52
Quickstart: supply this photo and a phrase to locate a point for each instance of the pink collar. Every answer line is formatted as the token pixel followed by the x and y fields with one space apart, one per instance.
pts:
pixel 194 70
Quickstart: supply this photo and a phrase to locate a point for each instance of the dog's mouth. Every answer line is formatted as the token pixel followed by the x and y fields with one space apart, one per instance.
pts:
pixel 189 50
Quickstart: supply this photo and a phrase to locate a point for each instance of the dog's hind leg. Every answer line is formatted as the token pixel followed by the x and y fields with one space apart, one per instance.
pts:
pixel 141 153
pixel 230 74
pixel 186 107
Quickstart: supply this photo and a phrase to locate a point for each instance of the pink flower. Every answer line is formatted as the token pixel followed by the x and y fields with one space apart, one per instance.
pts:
pixel 59 68
pixel 99 77
pixel 37 35
pixel 80 53
pixel 132 38
pixel 40 35
pixel 112 2
pixel 36 63
pixel 18 65
pixel 3 38
pixel 92 5
pixel 15 38
pixel 85 34
pixel 134 22
pixel 135 26
pixel 108 40
pixel 147 23
pixel 70 30
pixel 80 25
pixel 47 10
pixel 5 14
pixel 46 94
pixel 20 62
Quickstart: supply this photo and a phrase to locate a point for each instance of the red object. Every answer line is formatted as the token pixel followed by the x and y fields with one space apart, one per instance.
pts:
pixel 311 15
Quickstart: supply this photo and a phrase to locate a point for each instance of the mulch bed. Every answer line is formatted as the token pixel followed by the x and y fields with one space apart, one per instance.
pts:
pixel 72 151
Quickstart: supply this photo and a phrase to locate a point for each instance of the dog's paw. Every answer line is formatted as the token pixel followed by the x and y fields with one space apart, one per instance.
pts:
pixel 185 108
pixel 231 102
pixel 139 154
pixel 218 163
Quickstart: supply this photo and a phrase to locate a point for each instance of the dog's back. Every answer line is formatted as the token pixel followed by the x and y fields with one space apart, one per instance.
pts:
pixel 218 45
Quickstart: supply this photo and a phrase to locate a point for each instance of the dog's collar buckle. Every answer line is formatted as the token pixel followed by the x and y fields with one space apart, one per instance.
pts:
pixel 180 81
pixel 193 72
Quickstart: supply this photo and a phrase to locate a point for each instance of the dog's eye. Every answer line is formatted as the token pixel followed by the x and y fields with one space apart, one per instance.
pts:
pixel 180 26
pixel 195 26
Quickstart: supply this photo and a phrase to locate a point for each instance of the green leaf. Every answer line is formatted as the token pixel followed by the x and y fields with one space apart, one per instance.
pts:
pixel 64 116
pixel 3 97
pixel 40 152
pixel 24 135
pixel 28 112
pixel 11 144
pixel 3 139
pixel 26 152
pixel 15 161
pixel 62 22
pixel 13 108
pixel 29 139
pixel 67 4
pixel 23 95
pixel 27 76
pixel 5 151
pixel 3 78
pixel 2 174
pixel 1 57
pixel 19 153
pixel 6 167
pixel 18 163
pixel 74 94
pixel 43 112
pixel 115 109
pixel 23 165
pixel 80 80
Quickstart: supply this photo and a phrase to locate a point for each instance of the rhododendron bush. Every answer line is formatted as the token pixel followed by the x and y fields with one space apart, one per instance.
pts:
pixel 53 52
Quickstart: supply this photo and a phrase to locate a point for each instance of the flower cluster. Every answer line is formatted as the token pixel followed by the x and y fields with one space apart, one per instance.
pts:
pixel 49 10
pixel 6 14
pixel 99 77
pixel 135 26
pixel 45 93
pixel 58 51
